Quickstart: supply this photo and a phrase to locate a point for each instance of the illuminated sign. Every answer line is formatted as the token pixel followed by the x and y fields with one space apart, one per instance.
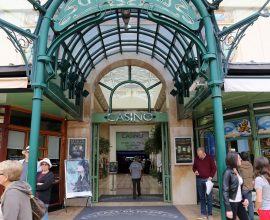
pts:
pixel 178 10
pixel 130 117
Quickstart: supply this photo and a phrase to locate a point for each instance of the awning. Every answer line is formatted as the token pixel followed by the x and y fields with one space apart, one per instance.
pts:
pixel 13 83
pixel 247 85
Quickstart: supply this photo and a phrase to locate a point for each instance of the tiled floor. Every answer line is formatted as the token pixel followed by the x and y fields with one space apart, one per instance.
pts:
pixel 121 184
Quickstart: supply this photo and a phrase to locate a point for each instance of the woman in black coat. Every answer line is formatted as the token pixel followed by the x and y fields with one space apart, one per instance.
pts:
pixel 235 203
pixel 45 180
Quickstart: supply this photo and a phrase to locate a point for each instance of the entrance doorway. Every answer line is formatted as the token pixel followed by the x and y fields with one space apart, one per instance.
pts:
pixel 127 142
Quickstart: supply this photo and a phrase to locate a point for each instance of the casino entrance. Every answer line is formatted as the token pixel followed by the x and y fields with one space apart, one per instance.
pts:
pixel 135 126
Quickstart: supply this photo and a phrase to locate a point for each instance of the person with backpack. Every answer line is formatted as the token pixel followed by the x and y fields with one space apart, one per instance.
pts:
pixel 15 200
pixel 262 187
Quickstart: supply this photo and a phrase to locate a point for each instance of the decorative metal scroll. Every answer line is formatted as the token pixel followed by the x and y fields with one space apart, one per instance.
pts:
pixel 22 44
pixel 75 10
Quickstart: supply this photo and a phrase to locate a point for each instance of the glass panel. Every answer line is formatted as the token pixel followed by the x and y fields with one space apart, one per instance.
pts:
pixel 265 147
pixel 16 140
pixel 53 147
pixel 42 141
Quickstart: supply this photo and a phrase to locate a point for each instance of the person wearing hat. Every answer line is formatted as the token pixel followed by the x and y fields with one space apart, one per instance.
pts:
pixel 45 180
pixel 24 163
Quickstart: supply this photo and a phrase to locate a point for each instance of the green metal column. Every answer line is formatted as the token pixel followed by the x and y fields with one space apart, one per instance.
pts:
pixel 38 85
pixel 95 162
pixel 215 84
pixel 166 167
pixel 255 139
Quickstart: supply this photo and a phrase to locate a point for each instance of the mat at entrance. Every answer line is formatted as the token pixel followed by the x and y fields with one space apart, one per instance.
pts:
pixel 129 198
pixel 131 213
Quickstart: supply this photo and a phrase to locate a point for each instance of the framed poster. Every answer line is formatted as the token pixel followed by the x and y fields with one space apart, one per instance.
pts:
pixel 183 150
pixel 113 167
pixel 76 148
pixel 77 174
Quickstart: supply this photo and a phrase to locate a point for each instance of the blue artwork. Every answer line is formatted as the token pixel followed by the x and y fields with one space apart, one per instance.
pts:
pixel 263 124
pixel 237 128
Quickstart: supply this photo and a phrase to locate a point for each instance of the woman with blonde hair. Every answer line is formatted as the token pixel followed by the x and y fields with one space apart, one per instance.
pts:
pixel 15 202
pixel 262 187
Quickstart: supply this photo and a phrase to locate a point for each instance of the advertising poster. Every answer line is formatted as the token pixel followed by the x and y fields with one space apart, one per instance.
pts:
pixel 237 128
pixel 113 167
pixel 183 150
pixel 131 141
pixel 77 173
pixel 76 148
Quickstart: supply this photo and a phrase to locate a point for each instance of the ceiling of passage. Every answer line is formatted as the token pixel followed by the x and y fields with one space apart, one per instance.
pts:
pixel 131 95
pixel 83 51
pixel 231 100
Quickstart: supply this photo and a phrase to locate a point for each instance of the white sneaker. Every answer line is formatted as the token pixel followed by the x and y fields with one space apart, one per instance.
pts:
pixel 202 217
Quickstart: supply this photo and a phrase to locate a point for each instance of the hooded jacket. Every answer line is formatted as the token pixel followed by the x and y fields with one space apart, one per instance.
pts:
pixel 246 172
pixel 15 202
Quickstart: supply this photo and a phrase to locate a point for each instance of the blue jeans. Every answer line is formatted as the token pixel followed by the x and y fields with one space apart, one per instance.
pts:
pixel 248 195
pixel 204 198
pixel 46 216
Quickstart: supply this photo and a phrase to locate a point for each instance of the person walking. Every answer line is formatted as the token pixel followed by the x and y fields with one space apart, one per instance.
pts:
pixel 135 169
pixel 234 199
pixel 15 200
pixel 204 168
pixel 45 180
pixel 246 172
pixel 262 187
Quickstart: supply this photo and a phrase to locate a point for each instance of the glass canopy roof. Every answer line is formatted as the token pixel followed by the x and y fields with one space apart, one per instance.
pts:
pixel 131 95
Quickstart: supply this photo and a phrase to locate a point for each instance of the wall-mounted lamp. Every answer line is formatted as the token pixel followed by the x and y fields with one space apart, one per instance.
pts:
pixel 85 93
pixel 126 18
pixel 173 92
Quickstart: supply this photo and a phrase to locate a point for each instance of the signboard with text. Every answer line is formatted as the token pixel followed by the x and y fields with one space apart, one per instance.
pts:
pixel 131 141
pixel 184 154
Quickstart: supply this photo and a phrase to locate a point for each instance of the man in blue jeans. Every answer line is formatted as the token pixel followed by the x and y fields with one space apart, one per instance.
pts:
pixel 204 168
pixel 135 169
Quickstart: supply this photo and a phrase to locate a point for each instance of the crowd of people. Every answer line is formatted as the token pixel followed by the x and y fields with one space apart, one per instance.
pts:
pixel 240 178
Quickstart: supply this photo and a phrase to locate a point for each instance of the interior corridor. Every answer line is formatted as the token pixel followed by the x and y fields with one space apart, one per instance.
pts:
pixel 121 184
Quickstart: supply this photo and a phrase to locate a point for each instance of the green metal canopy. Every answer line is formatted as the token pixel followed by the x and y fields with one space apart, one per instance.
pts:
pixel 73 37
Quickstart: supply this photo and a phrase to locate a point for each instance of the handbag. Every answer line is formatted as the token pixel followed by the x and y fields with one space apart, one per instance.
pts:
pixel 38 207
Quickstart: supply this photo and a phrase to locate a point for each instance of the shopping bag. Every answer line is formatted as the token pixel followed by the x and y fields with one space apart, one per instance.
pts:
pixel 209 186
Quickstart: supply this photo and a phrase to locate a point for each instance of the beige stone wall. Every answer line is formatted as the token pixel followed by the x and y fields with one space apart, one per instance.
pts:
pixel 183 180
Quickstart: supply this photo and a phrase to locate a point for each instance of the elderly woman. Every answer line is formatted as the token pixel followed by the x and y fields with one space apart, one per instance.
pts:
pixel 15 202
pixel 45 180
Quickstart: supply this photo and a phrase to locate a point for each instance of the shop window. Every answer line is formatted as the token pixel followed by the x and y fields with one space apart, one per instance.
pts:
pixel 24 119
pixel 265 147
pixel 16 140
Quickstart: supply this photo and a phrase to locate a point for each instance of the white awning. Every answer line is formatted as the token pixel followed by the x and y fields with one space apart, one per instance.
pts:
pixel 247 85
pixel 13 83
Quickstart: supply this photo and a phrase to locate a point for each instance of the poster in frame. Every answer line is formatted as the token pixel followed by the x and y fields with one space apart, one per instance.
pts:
pixel 76 148
pixel 183 150
pixel 77 178
pixel 113 167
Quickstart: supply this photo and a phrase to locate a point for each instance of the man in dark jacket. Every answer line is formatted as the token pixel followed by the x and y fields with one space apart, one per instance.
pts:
pixel 246 172
pixel 204 168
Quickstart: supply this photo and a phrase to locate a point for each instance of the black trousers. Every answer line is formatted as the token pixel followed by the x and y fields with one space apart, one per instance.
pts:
pixel 238 210
pixel 136 184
